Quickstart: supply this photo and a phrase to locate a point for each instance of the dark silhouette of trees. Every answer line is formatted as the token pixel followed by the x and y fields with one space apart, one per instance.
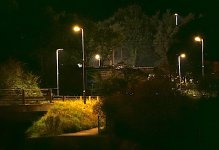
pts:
pixel 138 39
pixel 150 114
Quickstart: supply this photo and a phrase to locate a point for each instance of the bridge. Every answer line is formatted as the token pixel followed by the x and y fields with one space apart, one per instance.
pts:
pixel 32 100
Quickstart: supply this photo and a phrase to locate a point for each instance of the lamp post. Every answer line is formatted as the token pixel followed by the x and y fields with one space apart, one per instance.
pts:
pixel 57 69
pixel 97 56
pixel 77 29
pixel 176 15
pixel 179 65
pixel 199 39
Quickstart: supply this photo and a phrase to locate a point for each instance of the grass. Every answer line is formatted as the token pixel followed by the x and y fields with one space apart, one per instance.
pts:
pixel 64 117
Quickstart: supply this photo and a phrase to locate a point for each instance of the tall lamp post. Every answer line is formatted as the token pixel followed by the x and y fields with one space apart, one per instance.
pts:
pixel 97 56
pixel 199 39
pixel 179 65
pixel 176 15
pixel 57 69
pixel 77 29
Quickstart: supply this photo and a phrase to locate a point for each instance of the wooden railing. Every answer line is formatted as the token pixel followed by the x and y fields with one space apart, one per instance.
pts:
pixel 25 96
pixel 34 96
pixel 63 98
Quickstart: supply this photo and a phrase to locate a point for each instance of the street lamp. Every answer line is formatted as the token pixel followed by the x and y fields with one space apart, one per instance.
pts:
pixel 77 29
pixel 179 65
pixel 176 15
pixel 199 39
pixel 57 69
pixel 97 56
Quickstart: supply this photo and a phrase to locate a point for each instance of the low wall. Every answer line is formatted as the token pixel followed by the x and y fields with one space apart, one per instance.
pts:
pixel 25 108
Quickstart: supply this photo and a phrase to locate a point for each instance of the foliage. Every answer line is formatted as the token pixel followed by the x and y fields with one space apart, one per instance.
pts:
pixel 205 87
pixel 150 113
pixel 153 114
pixel 130 23
pixel 139 39
pixel 119 80
pixel 102 40
pixel 67 116
pixel 209 84
pixel 165 35
pixel 207 114
pixel 14 76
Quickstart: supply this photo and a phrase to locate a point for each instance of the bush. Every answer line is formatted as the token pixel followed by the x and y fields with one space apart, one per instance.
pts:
pixel 152 114
pixel 15 76
pixel 63 117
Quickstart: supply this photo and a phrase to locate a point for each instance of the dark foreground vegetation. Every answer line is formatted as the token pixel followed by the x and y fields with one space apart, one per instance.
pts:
pixel 152 114
pixel 13 126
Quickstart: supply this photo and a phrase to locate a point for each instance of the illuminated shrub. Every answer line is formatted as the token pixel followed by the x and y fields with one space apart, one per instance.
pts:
pixel 63 117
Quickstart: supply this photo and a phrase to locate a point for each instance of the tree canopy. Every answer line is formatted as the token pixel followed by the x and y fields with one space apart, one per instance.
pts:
pixel 14 76
pixel 136 38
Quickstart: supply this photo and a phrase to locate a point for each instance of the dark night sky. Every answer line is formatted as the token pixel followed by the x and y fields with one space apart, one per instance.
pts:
pixel 99 10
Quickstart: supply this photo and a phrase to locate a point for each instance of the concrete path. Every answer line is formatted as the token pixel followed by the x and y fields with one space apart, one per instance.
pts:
pixel 89 132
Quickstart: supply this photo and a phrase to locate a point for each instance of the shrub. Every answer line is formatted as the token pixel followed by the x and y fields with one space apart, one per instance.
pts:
pixel 63 117
pixel 152 114
pixel 15 76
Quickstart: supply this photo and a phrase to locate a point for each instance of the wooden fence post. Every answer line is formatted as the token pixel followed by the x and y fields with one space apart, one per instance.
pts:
pixel 50 95
pixel 23 96
pixel 98 123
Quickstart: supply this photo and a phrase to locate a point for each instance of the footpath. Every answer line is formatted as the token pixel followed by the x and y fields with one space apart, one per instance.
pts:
pixel 90 132
pixel 83 140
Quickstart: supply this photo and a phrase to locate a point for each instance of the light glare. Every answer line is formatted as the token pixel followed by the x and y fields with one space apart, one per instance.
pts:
pixel 198 39
pixel 97 56
pixel 183 55
pixel 76 28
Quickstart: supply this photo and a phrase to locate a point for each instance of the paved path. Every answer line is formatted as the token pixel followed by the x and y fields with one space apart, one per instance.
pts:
pixel 89 132
pixel 83 140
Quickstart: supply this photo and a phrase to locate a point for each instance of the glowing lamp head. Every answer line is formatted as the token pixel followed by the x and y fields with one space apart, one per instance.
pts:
pixel 176 14
pixel 76 28
pixel 183 55
pixel 198 39
pixel 97 56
